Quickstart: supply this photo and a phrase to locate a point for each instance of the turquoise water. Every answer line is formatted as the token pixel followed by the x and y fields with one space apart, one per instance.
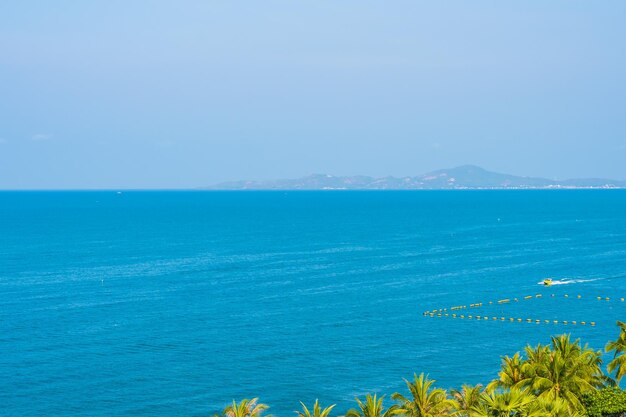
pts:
pixel 174 303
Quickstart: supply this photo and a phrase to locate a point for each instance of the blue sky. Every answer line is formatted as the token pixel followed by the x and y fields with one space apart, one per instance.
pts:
pixel 162 94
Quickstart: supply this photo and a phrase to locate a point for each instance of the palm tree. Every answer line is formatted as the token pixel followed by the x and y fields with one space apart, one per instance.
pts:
pixel 372 407
pixel 542 407
pixel 537 354
pixel 618 347
pixel 466 398
pixel 424 401
pixel 510 373
pixel 567 372
pixel 513 402
pixel 317 410
pixel 246 408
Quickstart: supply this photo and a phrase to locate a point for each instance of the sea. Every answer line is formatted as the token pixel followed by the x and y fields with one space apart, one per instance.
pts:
pixel 174 303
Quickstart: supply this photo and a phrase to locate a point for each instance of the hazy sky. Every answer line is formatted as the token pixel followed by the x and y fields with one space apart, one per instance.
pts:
pixel 106 94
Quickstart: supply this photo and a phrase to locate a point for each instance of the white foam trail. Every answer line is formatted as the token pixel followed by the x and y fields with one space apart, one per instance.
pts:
pixel 569 281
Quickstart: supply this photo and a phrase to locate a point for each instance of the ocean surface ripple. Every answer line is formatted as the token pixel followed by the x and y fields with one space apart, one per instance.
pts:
pixel 174 303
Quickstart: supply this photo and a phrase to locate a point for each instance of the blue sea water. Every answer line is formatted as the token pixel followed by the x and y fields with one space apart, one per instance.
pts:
pixel 174 303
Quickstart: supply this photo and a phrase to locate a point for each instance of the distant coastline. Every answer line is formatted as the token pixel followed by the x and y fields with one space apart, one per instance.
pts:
pixel 466 177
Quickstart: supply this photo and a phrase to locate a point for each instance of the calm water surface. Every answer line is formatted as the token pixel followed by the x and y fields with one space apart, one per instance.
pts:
pixel 174 303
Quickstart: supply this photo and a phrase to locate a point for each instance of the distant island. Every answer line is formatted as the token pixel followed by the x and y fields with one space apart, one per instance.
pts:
pixel 466 177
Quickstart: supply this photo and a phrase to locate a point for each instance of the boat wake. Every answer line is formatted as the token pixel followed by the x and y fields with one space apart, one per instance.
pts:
pixel 566 281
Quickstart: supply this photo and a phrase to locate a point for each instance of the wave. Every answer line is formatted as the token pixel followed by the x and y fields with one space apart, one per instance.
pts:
pixel 566 281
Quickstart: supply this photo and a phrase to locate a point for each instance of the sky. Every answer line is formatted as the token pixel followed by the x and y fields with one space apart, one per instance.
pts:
pixel 163 94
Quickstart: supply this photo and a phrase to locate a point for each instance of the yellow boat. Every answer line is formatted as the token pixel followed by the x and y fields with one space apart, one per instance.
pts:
pixel 547 281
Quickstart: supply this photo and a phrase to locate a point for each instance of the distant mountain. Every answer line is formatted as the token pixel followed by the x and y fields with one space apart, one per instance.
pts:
pixel 463 177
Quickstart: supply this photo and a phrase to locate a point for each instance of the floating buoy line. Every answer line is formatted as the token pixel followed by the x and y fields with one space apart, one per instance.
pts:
pixel 459 311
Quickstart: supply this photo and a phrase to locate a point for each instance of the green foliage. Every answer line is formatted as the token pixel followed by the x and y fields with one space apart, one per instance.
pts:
pixel 606 402
pixel 550 408
pixel 373 407
pixel 318 411
pixel 564 371
pixel 513 402
pixel 618 347
pixel 510 373
pixel 245 408
pixel 467 398
pixel 424 400
pixel 559 372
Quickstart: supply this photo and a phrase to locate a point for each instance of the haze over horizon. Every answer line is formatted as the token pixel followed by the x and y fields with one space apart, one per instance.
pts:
pixel 162 95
